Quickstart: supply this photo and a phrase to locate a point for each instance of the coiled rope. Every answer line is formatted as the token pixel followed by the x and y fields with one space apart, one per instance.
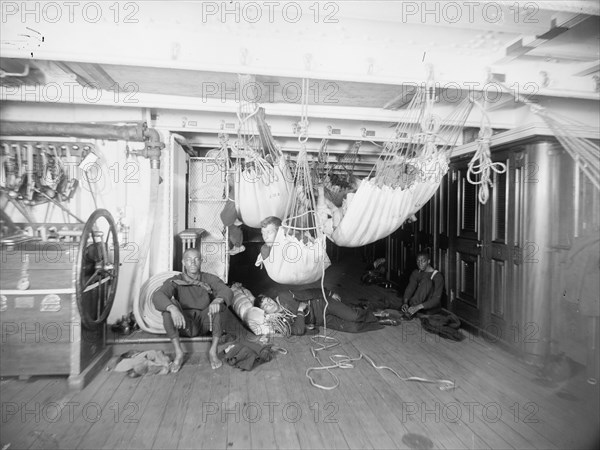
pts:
pixel 481 163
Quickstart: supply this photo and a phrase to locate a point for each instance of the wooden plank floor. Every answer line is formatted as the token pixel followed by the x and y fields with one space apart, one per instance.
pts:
pixel 497 402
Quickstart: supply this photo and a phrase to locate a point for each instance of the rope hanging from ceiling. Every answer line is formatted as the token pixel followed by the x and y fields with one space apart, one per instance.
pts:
pixel 481 166
pixel 298 254
pixel 584 152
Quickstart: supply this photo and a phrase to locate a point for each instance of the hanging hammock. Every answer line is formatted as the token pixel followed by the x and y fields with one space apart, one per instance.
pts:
pixel 262 182
pixel 377 211
pixel 298 254
pixel 407 174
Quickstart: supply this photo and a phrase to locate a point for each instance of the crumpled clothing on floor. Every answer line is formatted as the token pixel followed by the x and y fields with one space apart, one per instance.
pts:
pixel 246 355
pixel 444 324
pixel 136 363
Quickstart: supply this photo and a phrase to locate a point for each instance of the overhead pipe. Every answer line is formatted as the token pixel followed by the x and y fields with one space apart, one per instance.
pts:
pixel 136 133
pixel 78 130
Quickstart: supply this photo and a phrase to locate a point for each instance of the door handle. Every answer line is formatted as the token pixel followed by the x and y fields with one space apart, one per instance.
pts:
pixel 479 245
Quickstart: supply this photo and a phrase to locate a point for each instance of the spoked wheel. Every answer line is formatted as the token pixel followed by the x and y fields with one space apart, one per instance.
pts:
pixel 97 269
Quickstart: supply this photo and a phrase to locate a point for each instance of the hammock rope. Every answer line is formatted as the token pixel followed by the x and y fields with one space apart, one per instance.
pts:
pixel 301 230
pixel 584 152
pixel 481 164
pixel 345 362
pixel 300 215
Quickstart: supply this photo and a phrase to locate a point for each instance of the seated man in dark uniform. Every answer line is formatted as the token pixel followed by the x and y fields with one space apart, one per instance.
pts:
pixel 195 303
pixel 424 290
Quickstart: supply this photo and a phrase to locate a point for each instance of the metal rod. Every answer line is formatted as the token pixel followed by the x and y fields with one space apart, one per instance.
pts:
pixel 59 205
pixel 21 208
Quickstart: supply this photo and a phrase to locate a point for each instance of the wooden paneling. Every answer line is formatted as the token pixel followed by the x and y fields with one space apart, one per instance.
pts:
pixel 468 207
pixel 498 288
pixel 467 280
pixel 500 206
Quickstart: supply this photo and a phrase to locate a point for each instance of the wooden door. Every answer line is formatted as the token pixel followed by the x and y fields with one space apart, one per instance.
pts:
pixel 483 247
pixel 501 254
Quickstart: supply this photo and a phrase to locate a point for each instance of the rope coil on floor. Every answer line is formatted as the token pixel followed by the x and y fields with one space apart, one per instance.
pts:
pixel 147 316
pixel 345 362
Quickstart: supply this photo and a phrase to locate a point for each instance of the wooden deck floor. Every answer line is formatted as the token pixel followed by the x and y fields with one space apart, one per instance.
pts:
pixel 498 402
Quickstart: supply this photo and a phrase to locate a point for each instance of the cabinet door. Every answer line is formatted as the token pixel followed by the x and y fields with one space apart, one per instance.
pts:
pixel 483 262
pixel 498 258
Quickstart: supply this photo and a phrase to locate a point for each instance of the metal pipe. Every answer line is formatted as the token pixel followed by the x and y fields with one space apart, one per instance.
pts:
pixel 136 132
pixel 30 172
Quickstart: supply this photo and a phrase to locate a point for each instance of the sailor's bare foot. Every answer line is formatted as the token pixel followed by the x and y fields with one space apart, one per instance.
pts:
pixel 177 362
pixel 215 362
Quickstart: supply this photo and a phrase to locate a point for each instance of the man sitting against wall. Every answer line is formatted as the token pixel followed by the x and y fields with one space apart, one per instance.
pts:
pixel 422 295
pixel 424 290
pixel 195 303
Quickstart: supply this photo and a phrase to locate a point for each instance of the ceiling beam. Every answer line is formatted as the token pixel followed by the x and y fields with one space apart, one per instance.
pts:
pixel 518 48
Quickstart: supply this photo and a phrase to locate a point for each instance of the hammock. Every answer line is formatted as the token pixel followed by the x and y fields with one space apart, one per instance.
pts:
pixel 298 254
pixel 262 179
pixel 377 211
pixel 295 261
pixel 260 193
pixel 406 175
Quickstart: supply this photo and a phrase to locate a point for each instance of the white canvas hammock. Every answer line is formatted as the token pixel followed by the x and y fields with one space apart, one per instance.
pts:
pixel 293 261
pixel 263 182
pixel 407 174
pixel 298 254
pixel 377 211
pixel 261 191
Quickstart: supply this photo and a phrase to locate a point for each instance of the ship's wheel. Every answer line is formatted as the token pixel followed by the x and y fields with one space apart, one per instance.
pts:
pixel 97 269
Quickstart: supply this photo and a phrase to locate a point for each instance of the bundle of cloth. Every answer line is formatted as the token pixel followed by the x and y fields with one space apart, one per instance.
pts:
pixel 246 355
pixel 260 323
pixel 136 363
pixel 243 306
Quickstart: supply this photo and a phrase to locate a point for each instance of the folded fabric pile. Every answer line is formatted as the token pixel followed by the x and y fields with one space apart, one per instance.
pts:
pixel 444 324
pixel 136 363
pixel 246 355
